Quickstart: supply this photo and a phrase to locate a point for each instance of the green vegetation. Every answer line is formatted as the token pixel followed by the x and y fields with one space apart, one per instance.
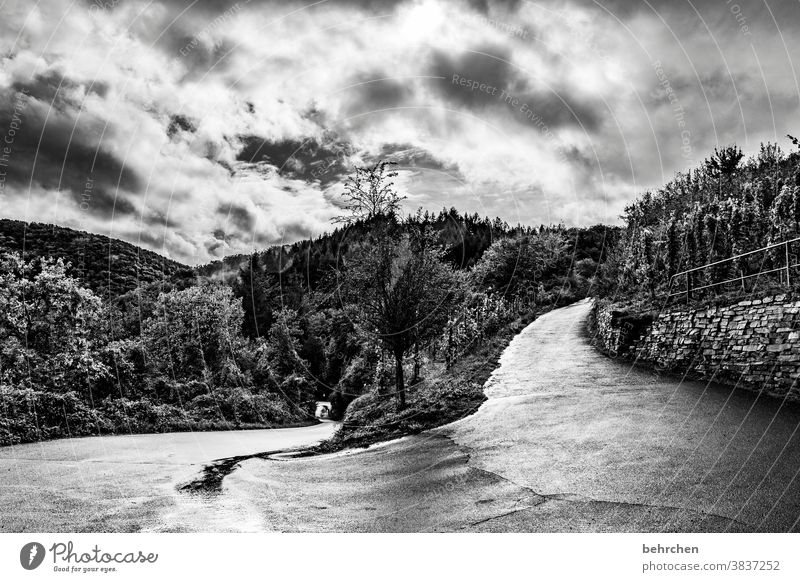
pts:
pixel 520 276
pixel 725 207
pixel 404 316
pixel 404 291
pixel 449 393
pixel 68 368
pixel 107 266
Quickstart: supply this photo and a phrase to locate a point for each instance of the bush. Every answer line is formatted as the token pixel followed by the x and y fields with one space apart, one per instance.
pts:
pixel 137 416
pixel 28 415
pixel 239 407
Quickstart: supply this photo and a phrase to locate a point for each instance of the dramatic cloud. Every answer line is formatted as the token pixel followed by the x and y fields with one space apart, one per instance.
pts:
pixel 214 127
pixel 307 159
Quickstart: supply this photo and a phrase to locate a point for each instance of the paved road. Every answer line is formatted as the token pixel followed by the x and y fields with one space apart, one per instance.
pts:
pixel 126 483
pixel 569 440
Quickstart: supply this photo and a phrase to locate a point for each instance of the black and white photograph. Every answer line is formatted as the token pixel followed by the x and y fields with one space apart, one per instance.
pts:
pixel 279 272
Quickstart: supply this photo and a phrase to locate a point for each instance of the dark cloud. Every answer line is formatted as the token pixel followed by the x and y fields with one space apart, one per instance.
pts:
pixel 180 123
pixel 239 216
pixel 489 6
pixel 215 248
pixel 212 6
pixel 307 159
pixel 58 149
pixel 377 91
pixel 785 11
pixel 290 231
pixel 488 65
pixel 215 6
pixel 557 110
pixel 52 87
pixel 154 218
pixel 410 156
pixel 579 159
pixel 197 41
pixel 179 43
pixel 484 79
pixel 384 6
pixel 103 202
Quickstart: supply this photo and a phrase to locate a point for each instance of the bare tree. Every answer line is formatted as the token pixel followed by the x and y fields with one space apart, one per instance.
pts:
pixel 369 192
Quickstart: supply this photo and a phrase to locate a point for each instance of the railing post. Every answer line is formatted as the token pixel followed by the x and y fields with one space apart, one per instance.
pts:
pixel 786 269
pixel 786 248
pixel 688 287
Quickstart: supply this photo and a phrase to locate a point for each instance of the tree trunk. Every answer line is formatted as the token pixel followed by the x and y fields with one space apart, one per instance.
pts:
pixel 415 377
pixel 398 379
pixel 448 355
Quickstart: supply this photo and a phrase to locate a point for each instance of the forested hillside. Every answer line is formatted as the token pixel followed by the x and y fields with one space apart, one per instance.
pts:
pixel 464 236
pixel 284 276
pixel 98 336
pixel 108 266
pixel 727 206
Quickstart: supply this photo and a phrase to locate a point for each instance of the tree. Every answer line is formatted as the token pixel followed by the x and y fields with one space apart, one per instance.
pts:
pixel 259 294
pixel 283 345
pixel 724 163
pixel 403 289
pixel 514 264
pixel 291 369
pixel 49 326
pixel 369 192
pixel 193 332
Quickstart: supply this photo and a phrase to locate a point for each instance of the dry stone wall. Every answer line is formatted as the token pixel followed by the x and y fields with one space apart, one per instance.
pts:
pixel 754 344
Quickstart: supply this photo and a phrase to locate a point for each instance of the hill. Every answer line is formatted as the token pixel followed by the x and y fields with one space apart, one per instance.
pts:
pixel 108 266
pixel 112 267
pixel 727 206
pixel 465 238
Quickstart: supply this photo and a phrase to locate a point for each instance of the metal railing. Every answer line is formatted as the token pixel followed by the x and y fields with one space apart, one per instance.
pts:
pixel 784 270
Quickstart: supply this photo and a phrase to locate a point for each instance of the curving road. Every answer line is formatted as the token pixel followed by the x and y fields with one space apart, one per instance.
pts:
pixel 127 483
pixel 569 440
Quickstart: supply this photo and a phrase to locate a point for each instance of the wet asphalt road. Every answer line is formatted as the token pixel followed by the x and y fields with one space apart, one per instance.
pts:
pixel 569 440
pixel 125 483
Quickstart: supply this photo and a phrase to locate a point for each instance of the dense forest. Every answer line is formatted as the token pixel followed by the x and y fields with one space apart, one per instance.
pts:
pixel 107 266
pixel 727 206
pixel 372 311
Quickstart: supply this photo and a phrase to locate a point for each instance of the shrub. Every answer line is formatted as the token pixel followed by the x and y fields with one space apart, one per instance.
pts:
pixel 136 416
pixel 28 415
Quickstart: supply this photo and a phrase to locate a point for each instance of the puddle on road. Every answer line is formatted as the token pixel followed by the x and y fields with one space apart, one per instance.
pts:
pixel 210 481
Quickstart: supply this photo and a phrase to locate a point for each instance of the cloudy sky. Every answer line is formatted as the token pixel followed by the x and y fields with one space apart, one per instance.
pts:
pixel 206 128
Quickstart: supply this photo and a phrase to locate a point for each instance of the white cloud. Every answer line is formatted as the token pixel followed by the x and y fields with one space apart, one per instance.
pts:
pixel 286 75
